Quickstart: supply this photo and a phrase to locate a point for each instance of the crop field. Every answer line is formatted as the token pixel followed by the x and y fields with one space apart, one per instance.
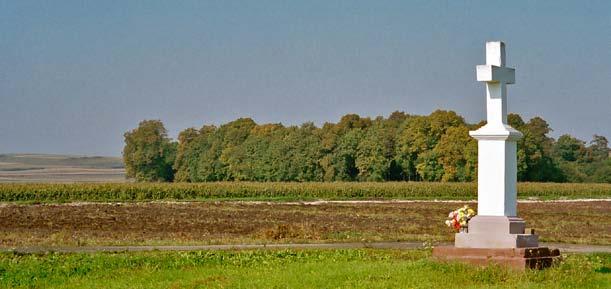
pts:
pixel 193 223
pixel 364 268
pixel 105 192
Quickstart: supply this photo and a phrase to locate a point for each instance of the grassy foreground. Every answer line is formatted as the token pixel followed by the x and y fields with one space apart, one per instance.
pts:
pixel 281 191
pixel 286 269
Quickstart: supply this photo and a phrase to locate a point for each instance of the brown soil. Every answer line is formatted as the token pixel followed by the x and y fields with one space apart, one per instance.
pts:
pixel 231 223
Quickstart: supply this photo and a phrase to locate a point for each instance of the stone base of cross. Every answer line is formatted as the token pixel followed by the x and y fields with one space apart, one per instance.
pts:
pixel 496 234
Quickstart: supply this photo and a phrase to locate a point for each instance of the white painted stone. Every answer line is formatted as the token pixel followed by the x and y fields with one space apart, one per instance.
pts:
pixel 497 163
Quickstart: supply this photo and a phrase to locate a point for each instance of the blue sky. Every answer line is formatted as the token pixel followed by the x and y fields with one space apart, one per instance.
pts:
pixel 75 75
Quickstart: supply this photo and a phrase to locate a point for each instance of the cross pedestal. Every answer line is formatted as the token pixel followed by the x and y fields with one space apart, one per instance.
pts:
pixel 496 230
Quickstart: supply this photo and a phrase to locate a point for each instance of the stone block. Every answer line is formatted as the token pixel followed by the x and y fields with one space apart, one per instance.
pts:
pixel 496 232
pixel 515 258
pixel 497 225
pixel 484 240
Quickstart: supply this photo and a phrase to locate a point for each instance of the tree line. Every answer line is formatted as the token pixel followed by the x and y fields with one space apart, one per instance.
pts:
pixel 400 147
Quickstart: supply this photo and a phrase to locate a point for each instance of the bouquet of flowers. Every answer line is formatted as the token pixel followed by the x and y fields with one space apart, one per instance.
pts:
pixel 459 218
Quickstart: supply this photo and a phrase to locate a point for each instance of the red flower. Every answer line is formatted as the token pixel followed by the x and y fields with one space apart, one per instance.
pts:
pixel 456 223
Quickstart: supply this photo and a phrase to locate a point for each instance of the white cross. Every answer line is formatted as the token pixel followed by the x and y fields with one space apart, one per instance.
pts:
pixel 497 169
pixel 496 76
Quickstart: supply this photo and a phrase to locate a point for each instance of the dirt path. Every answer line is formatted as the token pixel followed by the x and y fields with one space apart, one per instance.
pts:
pixel 312 203
pixel 356 202
pixel 565 248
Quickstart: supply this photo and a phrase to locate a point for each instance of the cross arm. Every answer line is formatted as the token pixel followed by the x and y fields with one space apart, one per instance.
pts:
pixel 493 73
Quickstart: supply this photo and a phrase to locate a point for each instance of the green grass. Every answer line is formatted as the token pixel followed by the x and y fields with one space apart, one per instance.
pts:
pixel 287 269
pixel 281 191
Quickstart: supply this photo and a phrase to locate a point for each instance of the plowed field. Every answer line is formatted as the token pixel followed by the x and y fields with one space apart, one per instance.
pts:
pixel 251 222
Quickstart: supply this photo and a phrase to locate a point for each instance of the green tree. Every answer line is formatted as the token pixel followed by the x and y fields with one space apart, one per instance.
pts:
pixel 213 162
pixel 602 172
pixel 517 122
pixel 181 164
pixel 295 154
pixel 411 142
pixel 344 156
pixel 417 137
pixel 375 159
pixel 194 150
pixel 457 153
pixel 599 148
pixel 428 166
pixel 435 147
pixel 569 149
pixel 254 160
pixel 338 147
pixel 535 162
pixel 305 144
pixel 148 153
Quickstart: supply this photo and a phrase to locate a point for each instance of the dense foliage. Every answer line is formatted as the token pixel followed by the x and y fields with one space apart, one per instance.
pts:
pixel 401 147
pixel 283 191
pixel 148 153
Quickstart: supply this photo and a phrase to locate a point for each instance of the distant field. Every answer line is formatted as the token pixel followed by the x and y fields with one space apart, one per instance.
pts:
pixel 15 168
pixel 363 268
